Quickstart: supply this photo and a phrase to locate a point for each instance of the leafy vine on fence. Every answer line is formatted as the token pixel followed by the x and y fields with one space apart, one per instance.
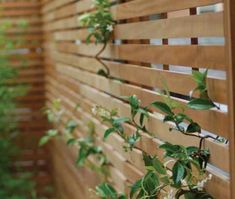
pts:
pixel 100 27
pixel 182 170
pixel 90 155
pixel 179 173
pixel 86 145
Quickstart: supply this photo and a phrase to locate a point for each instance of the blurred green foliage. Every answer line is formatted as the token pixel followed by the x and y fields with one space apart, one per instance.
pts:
pixel 14 183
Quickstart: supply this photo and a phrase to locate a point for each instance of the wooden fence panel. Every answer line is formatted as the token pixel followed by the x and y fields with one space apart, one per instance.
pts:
pixel 27 58
pixel 154 41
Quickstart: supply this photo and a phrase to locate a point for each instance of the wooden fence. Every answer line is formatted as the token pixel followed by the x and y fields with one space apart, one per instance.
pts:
pixel 147 48
pixel 154 41
pixel 27 58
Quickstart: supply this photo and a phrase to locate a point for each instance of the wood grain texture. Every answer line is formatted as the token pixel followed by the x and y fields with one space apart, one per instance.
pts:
pixel 135 157
pixel 212 57
pixel 139 8
pixel 88 93
pixel 178 82
pixel 137 55
pixel 205 25
pixel 230 55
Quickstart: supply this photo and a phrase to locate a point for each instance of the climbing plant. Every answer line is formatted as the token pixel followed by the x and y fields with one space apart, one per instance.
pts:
pixel 185 173
pixel 107 191
pixel 86 145
pixel 86 148
pixel 181 172
pixel 99 24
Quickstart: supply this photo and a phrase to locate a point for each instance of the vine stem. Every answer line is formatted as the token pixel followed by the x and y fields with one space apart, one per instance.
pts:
pixel 99 60
pixel 206 137
pixel 202 138
pixel 139 127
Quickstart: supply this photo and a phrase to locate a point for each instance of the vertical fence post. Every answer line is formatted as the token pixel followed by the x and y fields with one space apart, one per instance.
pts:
pixel 229 19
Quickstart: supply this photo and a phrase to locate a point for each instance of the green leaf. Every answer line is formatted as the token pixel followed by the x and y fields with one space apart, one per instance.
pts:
pixel 108 132
pixel 105 191
pixel 134 102
pixel 44 140
pixel 178 171
pixel 182 116
pixel 171 148
pixel 162 107
pixel 147 160
pixel 77 106
pixel 50 116
pixel 157 164
pixel 56 104
pixel 132 139
pixel 135 187
pixel 200 77
pixel 113 112
pixel 71 141
pixel 52 132
pixel 201 104
pixel 122 197
pixel 81 157
pixel 144 111
pixel 193 127
pixel 174 151
pixel 197 195
pixel 121 120
pixel 71 126
pixel 150 168
pixel 150 182
pixel 168 118
pixel 95 149
pixel 83 18
pixel 192 149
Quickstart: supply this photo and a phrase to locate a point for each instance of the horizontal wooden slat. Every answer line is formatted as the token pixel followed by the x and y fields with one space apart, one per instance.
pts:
pixel 185 55
pixel 55 4
pixel 19 4
pixel 19 12
pixel 132 9
pixel 139 8
pixel 205 25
